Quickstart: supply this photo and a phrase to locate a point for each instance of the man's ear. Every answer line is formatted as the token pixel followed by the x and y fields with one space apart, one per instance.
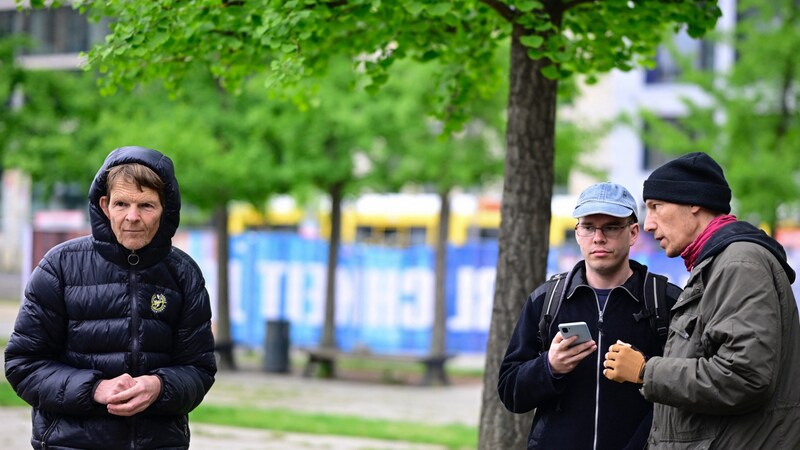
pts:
pixel 104 205
pixel 634 233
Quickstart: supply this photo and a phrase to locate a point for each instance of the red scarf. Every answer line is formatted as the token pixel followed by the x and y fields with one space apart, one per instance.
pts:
pixel 691 252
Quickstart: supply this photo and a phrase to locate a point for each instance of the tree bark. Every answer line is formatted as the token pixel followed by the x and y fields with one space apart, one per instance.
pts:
pixel 224 342
pixel 328 340
pixel 523 239
pixel 438 346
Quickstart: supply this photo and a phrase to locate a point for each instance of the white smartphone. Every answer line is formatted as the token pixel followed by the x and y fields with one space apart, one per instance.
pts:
pixel 579 329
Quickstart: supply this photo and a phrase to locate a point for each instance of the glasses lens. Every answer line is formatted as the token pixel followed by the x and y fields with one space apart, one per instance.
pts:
pixel 607 230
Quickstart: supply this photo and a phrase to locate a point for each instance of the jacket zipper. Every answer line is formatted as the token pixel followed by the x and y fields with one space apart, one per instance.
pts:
pixel 48 432
pixel 133 260
pixel 134 369
pixel 134 323
pixel 597 370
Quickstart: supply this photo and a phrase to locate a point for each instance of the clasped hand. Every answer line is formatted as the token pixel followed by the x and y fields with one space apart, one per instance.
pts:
pixel 624 363
pixel 126 396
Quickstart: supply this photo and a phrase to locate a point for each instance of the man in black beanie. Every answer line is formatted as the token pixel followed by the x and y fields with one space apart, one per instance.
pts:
pixel 727 376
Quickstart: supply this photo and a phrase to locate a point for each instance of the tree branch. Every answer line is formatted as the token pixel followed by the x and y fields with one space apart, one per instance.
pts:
pixel 504 10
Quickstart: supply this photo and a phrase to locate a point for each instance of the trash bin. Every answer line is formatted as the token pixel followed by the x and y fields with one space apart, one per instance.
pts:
pixel 276 346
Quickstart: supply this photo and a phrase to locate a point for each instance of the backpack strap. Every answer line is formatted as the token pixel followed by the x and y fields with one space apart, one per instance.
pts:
pixel 556 291
pixel 655 305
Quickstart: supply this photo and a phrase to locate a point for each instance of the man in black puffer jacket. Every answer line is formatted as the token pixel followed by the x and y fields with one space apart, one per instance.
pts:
pixel 113 345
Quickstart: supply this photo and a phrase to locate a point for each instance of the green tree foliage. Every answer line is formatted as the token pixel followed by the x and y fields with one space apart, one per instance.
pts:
pixel 206 131
pixel 749 119
pixel 293 39
pixel 443 161
pixel 343 140
pixel 43 117
pixel 323 129
pixel 217 155
pixel 64 128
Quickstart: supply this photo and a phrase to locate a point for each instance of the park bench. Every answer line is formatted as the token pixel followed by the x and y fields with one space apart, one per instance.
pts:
pixel 434 365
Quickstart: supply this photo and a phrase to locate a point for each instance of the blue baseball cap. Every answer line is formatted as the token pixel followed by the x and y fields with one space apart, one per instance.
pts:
pixel 605 198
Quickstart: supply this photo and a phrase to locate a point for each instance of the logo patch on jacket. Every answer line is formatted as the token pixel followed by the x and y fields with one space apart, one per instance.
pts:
pixel 158 303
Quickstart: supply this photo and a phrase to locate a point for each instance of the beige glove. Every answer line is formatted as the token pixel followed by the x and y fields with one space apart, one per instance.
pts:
pixel 624 363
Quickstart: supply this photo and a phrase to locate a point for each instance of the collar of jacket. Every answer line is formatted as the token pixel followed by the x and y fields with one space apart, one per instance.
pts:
pixel 634 285
pixel 119 255
pixel 744 232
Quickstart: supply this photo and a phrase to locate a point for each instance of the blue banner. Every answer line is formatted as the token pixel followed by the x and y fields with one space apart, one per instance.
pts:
pixel 384 296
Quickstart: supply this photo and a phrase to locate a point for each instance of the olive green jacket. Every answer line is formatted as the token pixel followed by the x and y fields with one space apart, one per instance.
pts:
pixel 731 366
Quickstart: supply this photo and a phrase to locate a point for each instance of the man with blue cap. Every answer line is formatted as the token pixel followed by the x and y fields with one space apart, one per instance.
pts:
pixel 576 407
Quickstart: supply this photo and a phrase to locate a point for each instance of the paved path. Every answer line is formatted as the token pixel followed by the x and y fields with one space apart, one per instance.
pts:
pixel 458 403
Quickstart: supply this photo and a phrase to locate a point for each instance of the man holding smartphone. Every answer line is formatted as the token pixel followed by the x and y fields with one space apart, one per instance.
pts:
pixel 576 407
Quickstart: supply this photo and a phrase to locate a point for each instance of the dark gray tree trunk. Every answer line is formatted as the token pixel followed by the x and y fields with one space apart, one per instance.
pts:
pixel 328 340
pixel 438 348
pixel 224 342
pixel 523 240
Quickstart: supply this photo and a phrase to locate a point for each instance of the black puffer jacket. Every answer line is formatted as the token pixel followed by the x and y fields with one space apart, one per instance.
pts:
pixel 92 313
pixel 582 409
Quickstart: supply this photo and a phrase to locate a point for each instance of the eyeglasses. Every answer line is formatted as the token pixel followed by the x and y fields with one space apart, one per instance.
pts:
pixel 610 231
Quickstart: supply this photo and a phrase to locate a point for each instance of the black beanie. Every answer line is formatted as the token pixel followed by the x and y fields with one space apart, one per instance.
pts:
pixel 692 179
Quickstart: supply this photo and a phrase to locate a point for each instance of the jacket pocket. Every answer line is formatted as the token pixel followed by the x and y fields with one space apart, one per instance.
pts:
pixel 48 432
pixel 677 429
pixel 685 337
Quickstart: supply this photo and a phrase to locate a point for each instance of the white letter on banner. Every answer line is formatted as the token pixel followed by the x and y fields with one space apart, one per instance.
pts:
pixel 474 297
pixel 294 293
pixel 270 276
pixel 347 313
pixel 314 295
pixel 238 315
pixel 416 299
pixel 465 291
pixel 381 297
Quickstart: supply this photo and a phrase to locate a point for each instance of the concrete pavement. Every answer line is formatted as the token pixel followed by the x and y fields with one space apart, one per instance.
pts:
pixel 458 403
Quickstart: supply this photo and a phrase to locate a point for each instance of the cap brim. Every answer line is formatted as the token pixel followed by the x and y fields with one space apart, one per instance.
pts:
pixel 609 209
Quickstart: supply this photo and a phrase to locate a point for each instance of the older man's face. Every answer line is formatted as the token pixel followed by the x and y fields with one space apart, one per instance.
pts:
pixel 134 214
pixel 673 225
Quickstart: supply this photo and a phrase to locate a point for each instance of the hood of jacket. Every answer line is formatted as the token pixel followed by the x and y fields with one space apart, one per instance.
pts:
pixel 744 232
pixel 104 240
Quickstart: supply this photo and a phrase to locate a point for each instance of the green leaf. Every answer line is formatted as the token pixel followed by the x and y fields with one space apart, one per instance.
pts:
pixel 532 41
pixel 528 6
pixel 551 72
pixel 564 56
pixel 440 9
pixel 429 55
pixel 414 8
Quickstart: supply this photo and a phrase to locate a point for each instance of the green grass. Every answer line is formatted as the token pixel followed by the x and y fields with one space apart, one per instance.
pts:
pixel 8 397
pixel 450 436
